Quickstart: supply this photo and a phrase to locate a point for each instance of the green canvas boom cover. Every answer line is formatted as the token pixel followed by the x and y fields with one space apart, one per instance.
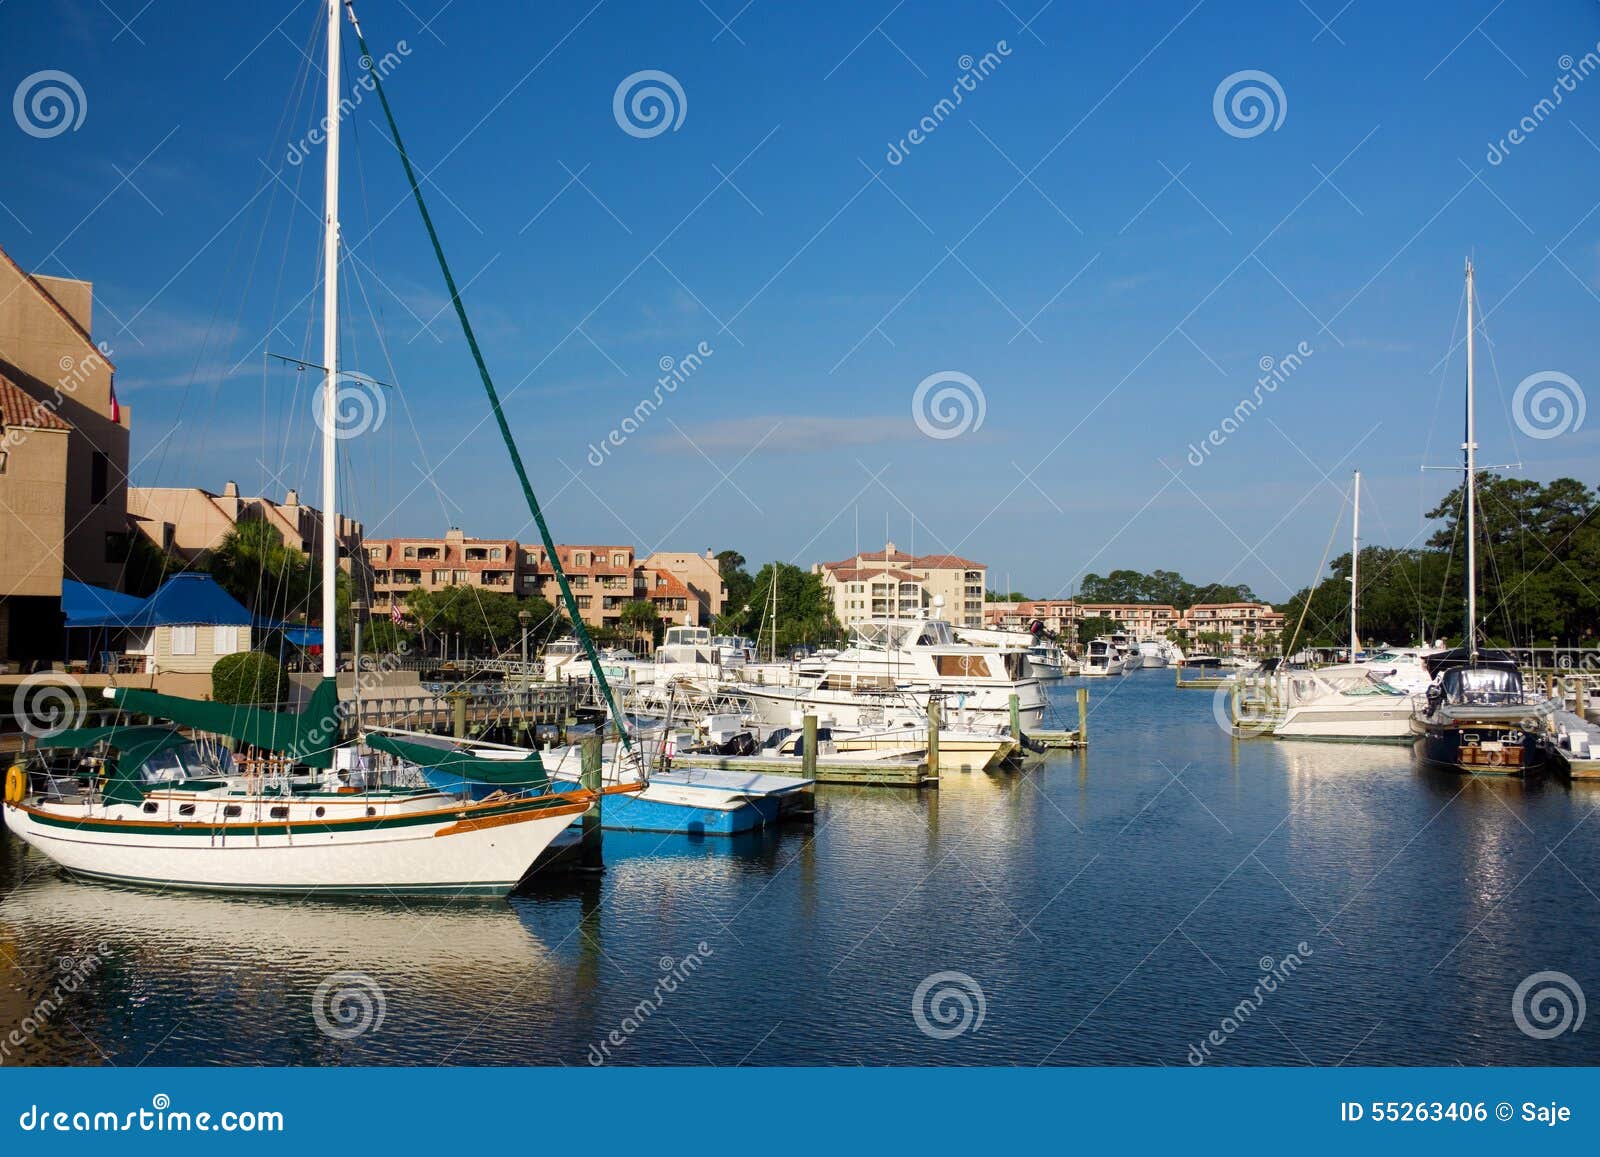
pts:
pixel 444 756
pixel 307 736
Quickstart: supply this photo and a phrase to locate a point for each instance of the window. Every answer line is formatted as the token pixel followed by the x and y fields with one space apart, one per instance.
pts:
pixel 186 809
pixel 183 640
pixel 411 552
pixel 580 558
pixel 226 640
pixel 99 478
pixel 495 554
pixel 149 809
pixel 461 576
pixel 278 813
pixel 584 601
pixel 619 560
pixel 232 811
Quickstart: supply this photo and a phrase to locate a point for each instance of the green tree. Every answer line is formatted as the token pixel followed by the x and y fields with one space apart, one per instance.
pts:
pixel 1007 597
pixel 253 564
pixel 248 677
pixel 642 620
pixel 486 621
pixel 805 612
pixel 730 564
pixel 1091 629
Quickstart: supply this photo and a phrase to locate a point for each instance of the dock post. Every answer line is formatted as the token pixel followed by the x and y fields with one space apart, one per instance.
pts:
pixel 933 737
pixel 1083 716
pixel 808 754
pixel 591 859
pixel 458 705
pixel 1015 704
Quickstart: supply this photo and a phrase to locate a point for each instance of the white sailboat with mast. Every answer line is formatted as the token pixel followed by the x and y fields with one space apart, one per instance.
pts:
pixel 147 805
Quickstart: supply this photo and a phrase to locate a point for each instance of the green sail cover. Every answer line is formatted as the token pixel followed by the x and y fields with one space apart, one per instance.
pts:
pixel 446 756
pixel 308 736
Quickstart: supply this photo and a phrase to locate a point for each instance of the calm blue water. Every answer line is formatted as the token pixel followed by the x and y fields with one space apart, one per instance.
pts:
pixel 1113 908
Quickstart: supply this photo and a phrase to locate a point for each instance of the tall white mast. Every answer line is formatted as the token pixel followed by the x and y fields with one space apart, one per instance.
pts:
pixel 1355 555
pixel 1470 447
pixel 330 356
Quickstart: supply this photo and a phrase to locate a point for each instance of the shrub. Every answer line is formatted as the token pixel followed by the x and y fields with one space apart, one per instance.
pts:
pixel 247 677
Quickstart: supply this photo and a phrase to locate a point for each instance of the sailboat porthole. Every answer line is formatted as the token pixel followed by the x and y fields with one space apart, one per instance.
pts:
pixel 372 811
pixel 320 812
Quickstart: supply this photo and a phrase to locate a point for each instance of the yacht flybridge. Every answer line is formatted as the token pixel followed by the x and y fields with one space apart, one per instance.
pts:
pixel 892 658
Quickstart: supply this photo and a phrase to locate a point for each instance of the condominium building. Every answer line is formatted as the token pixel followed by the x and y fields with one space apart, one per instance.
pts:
pixel 698 572
pixel 603 578
pixel 63 458
pixel 187 521
pixel 1245 623
pixel 893 584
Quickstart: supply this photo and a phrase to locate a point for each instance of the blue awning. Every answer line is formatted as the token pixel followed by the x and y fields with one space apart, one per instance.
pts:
pixel 303 636
pixel 89 606
pixel 190 600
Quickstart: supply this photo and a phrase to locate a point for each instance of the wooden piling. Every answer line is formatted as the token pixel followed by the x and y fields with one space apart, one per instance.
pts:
pixel 1083 715
pixel 458 703
pixel 808 753
pixel 933 737
pixel 591 858
pixel 1014 703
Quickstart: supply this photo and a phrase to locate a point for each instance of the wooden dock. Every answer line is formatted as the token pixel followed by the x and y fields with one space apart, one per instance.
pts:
pixel 1202 682
pixel 1062 739
pixel 844 769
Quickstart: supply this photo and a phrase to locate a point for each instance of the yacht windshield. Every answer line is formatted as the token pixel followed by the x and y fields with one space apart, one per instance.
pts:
pixel 935 633
pixel 187 761
pixel 1482 686
pixel 885 636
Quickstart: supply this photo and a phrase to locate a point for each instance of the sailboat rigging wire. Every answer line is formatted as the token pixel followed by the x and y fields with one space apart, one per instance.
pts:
pixel 521 471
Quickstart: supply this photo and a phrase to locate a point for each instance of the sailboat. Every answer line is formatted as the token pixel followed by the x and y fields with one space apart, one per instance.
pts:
pixel 1477 717
pixel 1358 701
pixel 148 805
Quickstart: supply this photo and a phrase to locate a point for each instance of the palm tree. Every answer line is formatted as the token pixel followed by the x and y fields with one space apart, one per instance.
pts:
pixel 642 617
pixel 253 564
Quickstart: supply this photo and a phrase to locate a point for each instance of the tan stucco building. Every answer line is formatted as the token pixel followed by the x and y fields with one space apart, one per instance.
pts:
pixel 891 583
pixel 63 458
pixel 187 521
pixel 700 574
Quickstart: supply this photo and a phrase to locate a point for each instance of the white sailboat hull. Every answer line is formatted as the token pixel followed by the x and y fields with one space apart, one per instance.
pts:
pixel 439 856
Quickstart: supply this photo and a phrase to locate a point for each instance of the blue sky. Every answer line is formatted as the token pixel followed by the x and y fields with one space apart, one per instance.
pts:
pixel 1081 238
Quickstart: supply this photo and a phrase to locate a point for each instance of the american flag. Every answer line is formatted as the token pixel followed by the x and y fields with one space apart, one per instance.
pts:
pixel 395 616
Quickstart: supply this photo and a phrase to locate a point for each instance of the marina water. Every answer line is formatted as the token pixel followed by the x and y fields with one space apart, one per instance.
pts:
pixel 1132 904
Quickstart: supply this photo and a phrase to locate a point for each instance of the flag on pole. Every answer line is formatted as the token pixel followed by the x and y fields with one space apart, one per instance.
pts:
pixel 395 616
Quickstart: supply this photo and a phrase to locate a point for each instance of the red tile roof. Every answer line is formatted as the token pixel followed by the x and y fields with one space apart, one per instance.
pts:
pixel 864 574
pixel 926 561
pixel 20 408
